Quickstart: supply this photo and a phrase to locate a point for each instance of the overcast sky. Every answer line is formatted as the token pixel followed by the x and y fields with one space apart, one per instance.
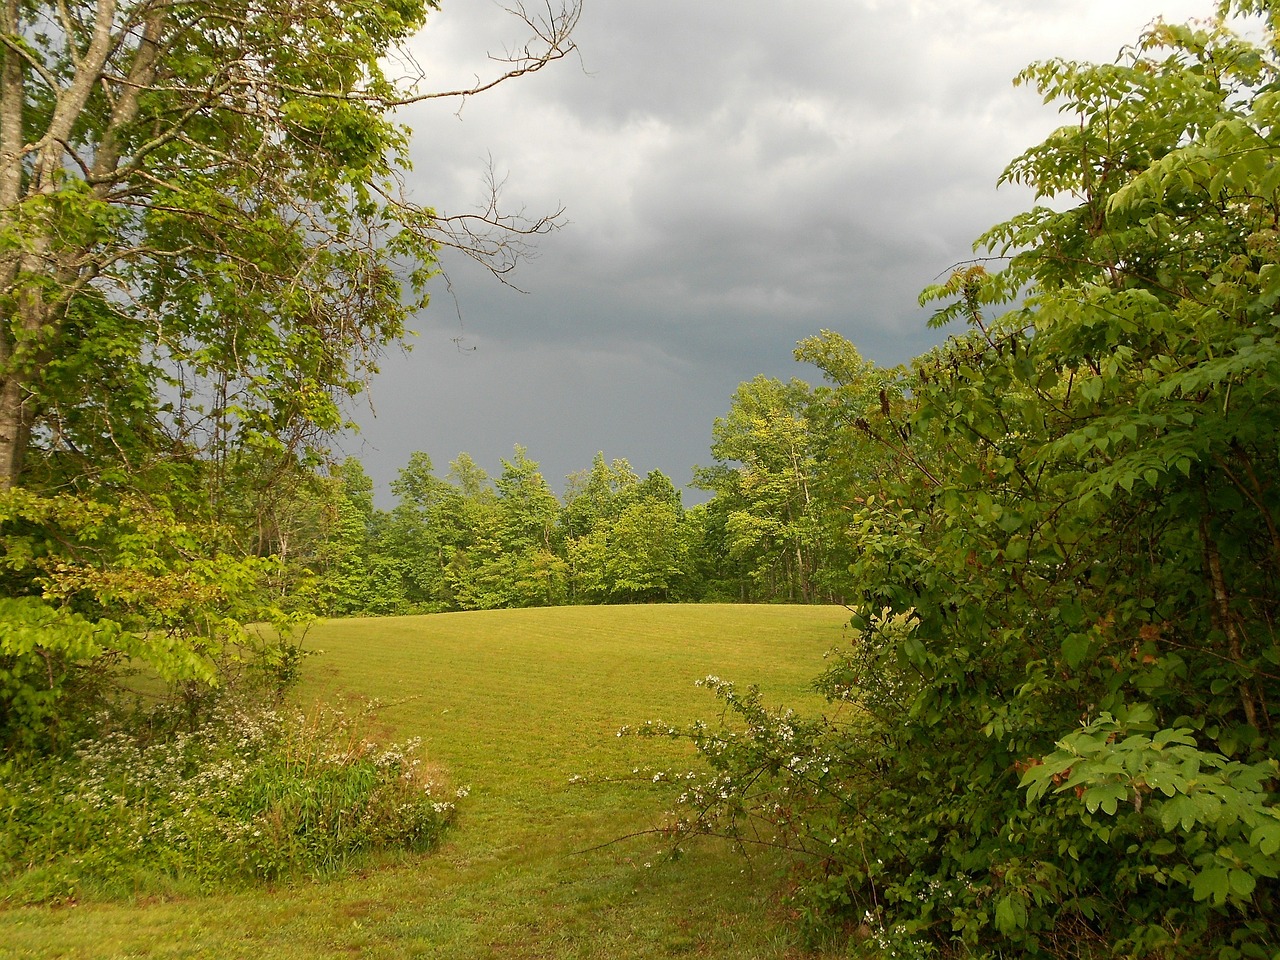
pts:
pixel 735 176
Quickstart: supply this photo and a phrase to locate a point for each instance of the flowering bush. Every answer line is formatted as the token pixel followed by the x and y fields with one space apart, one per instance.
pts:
pixel 252 793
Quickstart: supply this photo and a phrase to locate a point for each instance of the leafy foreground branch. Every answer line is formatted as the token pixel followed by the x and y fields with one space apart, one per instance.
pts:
pixel 205 242
pixel 1054 733
pixel 252 793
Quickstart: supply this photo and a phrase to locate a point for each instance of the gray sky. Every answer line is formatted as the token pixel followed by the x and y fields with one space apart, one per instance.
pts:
pixel 735 176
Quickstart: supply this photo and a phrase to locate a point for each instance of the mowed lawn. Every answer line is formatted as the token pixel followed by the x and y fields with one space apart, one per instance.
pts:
pixel 514 705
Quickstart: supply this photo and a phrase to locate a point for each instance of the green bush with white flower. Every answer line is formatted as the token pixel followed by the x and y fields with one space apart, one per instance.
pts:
pixel 252 793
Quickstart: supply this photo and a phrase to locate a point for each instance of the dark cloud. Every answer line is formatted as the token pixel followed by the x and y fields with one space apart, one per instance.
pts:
pixel 735 177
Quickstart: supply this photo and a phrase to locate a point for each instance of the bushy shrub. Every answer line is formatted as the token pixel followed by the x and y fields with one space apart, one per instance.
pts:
pixel 1053 734
pixel 253 793
pixel 91 588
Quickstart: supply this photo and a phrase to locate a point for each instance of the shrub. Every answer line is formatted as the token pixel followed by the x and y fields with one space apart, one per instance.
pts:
pixel 92 587
pixel 1053 735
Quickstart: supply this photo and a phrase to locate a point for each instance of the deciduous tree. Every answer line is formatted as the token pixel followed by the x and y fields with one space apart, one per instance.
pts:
pixel 204 246
pixel 203 237
pixel 763 481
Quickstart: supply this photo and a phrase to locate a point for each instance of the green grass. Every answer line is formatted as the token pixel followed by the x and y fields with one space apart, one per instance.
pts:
pixel 512 704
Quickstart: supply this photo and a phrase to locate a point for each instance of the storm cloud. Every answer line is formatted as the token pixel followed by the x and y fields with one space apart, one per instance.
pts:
pixel 735 176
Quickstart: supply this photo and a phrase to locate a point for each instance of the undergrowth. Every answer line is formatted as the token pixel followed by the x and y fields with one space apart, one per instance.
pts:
pixel 254 793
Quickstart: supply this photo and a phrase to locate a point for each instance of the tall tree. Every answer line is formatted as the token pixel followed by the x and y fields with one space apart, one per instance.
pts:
pixel 509 555
pixel 202 231
pixel 358 575
pixel 861 434
pixel 633 548
pixel 528 506
pixel 595 493
pixel 764 478
pixel 204 246
pixel 414 535
pixel 471 479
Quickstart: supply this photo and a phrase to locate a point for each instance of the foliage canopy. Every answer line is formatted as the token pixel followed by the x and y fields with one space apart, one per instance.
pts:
pixel 204 246
pixel 203 238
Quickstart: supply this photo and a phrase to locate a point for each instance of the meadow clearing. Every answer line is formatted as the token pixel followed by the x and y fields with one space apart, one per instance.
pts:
pixel 514 705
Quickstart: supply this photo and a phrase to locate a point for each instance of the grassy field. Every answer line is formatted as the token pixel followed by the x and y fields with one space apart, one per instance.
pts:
pixel 513 704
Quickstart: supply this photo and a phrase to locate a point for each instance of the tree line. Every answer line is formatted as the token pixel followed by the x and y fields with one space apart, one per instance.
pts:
pixel 771 531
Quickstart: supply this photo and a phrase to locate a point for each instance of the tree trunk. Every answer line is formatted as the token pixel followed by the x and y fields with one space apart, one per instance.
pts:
pixel 34 319
pixel 14 430
pixel 1223 616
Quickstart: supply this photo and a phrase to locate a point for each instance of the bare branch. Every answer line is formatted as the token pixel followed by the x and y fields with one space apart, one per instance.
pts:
pixel 552 40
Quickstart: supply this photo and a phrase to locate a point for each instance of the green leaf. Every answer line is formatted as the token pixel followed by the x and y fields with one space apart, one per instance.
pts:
pixel 914 650
pixel 1213 883
pixel 1266 837
pixel 1106 797
pixel 1242 884
pixel 1011 913
pixel 1075 649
